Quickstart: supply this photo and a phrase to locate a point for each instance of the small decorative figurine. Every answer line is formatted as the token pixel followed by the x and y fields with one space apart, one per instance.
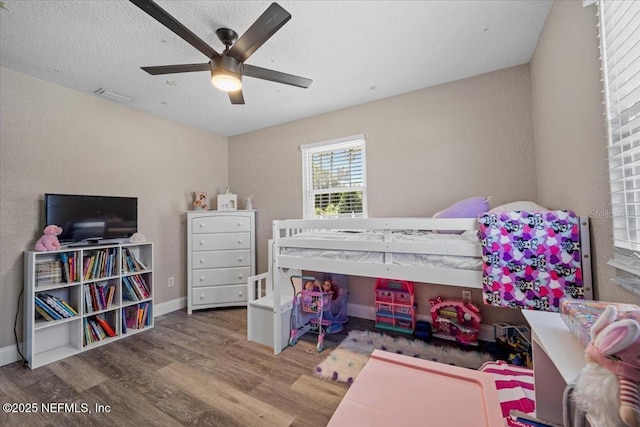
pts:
pixel 199 200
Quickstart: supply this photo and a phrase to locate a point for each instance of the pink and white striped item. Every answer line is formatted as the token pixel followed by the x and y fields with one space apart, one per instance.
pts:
pixel 514 385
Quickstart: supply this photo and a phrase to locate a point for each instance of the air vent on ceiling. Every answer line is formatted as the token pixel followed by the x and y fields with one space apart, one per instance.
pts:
pixel 113 95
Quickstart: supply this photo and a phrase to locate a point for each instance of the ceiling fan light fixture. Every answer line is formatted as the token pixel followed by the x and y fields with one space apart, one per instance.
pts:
pixel 226 80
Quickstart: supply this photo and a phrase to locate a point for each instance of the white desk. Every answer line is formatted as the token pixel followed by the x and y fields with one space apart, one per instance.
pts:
pixel 558 359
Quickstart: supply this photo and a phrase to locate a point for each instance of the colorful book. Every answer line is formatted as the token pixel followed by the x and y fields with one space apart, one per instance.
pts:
pixel 51 312
pixel 106 327
pixel 44 314
pixel 53 304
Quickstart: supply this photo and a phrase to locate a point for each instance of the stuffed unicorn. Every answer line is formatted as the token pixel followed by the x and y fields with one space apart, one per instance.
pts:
pixel 608 386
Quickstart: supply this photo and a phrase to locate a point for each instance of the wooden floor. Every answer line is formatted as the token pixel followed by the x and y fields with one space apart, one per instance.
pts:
pixel 196 370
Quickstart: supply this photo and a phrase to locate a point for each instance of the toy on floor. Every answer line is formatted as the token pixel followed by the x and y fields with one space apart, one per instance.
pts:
pixel 337 314
pixel 395 306
pixel 49 240
pixel 315 310
pixel 514 343
pixel 608 386
pixel 455 320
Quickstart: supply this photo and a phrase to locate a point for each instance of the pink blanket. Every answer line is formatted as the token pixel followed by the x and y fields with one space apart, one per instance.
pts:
pixel 515 386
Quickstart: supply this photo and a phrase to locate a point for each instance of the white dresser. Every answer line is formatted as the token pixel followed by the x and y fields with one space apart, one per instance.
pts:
pixel 220 258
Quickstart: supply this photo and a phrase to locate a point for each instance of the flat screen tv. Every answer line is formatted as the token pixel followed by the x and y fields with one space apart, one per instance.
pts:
pixel 91 218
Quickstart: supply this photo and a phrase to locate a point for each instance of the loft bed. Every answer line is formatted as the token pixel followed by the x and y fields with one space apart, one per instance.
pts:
pixel 425 250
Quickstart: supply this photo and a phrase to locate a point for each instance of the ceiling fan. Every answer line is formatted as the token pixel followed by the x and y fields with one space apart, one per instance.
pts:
pixel 227 68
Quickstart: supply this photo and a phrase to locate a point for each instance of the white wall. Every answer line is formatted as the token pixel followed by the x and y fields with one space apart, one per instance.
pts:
pixel 56 140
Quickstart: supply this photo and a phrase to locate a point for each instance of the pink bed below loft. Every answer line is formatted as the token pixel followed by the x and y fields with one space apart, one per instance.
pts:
pixel 399 390
pixel 394 389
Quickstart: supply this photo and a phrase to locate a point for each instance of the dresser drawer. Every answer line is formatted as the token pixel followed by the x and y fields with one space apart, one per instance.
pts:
pixel 220 276
pixel 219 294
pixel 220 224
pixel 216 259
pixel 212 242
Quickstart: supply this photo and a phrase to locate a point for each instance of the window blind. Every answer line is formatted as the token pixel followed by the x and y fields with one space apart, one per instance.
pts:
pixel 334 175
pixel 619 22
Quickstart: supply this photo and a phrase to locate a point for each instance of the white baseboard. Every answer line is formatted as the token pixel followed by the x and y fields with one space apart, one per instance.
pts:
pixel 169 306
pixel 369 313
pixel 9 354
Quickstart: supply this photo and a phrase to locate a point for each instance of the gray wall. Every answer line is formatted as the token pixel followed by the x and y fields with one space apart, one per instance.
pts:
pixel 570 131
pixel 56 140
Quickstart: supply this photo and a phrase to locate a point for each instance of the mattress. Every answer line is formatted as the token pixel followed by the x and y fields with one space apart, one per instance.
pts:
pixel 405 259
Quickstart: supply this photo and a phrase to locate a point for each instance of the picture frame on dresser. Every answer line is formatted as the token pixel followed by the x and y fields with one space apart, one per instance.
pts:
pixel 220 258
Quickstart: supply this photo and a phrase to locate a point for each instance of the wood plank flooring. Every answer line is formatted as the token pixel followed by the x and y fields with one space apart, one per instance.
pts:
pixel 196 370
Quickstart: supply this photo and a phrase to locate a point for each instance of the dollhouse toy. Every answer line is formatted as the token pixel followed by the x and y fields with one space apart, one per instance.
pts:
pixel 395 306
pixel 455 320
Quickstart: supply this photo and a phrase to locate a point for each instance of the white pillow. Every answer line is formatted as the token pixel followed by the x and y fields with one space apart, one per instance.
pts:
pixel 519 206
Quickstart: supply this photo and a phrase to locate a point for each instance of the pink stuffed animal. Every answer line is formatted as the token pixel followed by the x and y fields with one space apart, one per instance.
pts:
pixel 607 388
pixel 49 241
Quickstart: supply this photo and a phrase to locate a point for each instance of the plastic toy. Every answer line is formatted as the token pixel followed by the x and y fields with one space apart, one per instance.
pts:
pixel 514 343
pixel 455 320
pixel 608 386
pixel 314 310
pixel 395 306
pixel 49 240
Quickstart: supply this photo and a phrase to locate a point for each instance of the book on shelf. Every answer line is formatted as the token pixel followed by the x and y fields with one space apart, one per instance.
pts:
pixel 105 326
pixel 56 304
pixel 98 296
pixel 43 313
pixel 97 328
pixel 48 272
pixel 127 290
pixel 136 316
pixel 133 264
pixel 51 312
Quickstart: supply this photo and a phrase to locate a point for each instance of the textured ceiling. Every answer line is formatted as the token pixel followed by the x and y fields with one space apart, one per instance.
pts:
pixel 355 51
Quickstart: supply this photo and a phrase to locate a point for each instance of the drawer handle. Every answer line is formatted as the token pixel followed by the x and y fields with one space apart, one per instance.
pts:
pixel 201 225
pixel 240 294
pixel 239 224
pixel 201 242
pixel 201 260
pixel 201 296
pixel 202 278
pixel 239 259
pixel 240 276
pixel 239 241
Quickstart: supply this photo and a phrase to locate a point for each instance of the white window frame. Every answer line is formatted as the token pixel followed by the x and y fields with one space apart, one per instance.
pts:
pixel 619 24
pixel 308 193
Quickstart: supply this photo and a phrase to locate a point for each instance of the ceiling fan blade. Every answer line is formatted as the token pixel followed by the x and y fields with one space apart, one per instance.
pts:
pixel 265 26
pixel 236 97
pixel 275 76
pixel 172 69
pixel 163 17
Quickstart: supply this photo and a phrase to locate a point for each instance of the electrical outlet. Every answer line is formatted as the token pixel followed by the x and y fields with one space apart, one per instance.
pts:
pixel 466 296
pixel 171 282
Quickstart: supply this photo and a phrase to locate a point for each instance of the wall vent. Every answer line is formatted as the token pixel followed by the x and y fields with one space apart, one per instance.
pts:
pixel 113 96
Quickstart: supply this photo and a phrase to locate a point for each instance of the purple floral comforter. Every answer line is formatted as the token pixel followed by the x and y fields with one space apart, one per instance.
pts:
pixel 530 259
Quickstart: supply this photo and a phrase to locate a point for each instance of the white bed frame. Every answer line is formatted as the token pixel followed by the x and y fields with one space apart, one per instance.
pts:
pixel 270 294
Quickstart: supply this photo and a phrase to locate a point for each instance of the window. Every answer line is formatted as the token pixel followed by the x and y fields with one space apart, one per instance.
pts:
pixel 620 54
pixel 334 178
